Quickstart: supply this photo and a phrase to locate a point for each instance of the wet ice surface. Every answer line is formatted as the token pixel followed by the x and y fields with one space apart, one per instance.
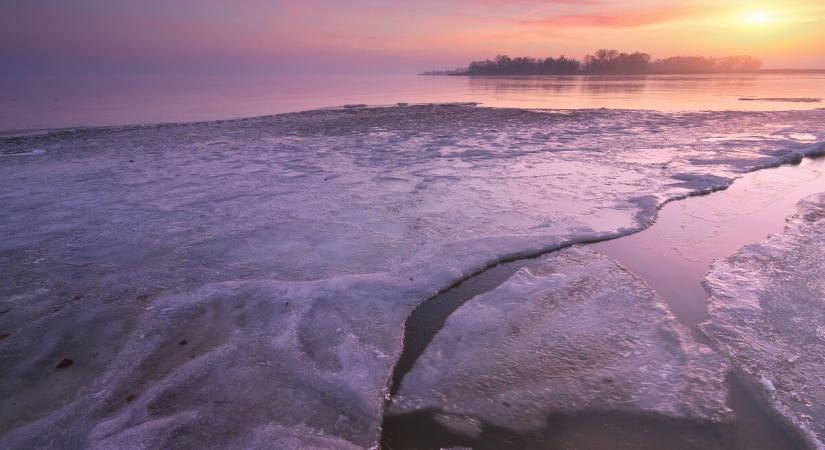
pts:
pixel 672 257
pixel 230 283
pixel 574 333
pixel 767 311
pixel 675 255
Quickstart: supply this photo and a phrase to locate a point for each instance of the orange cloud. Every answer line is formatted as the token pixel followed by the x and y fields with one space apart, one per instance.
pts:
pixel 619 19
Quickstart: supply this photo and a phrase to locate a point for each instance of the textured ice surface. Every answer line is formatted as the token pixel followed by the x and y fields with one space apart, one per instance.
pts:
pixel 575 334
pixel 118 244
pixel 767 312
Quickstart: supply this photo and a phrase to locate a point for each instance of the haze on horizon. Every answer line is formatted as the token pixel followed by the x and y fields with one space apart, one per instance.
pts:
pixel 102 37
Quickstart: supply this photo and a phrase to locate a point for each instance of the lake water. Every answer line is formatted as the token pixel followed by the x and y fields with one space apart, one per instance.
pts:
pixel 672 256
pixel 675 254
pixel 47 104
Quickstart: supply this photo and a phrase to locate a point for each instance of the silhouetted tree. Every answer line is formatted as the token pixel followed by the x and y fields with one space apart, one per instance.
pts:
pixel 742 63
pixel 504 65
pixel 607 62
pixel 684 64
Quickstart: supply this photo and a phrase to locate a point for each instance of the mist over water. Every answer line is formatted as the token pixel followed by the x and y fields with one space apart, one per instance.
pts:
pixel 70 102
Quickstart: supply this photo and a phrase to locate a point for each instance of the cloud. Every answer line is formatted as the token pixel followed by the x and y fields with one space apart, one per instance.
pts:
pixel 618 19
pixel 529 2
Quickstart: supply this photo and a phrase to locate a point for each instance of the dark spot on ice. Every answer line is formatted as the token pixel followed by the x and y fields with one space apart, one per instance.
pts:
pixel 814 216
pixel 608 380
pixel 402 104
pixel 4 335
pixel 131 160
pixel 506 404
pixel 182 342
pixel 65 363
pixel 77 297
pixel 4 311
pixel 130 397
pixel 94 355
pixel 411 279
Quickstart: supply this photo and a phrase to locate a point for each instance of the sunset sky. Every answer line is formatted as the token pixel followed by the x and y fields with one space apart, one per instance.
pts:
pixel 166 36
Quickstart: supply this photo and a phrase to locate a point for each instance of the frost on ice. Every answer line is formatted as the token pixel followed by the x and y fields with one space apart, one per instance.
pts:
pixel 767 313
pixel 226 283
pixel 576 333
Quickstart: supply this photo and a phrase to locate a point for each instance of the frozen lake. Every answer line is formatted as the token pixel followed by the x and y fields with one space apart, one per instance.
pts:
pixel 672 256
pixel 246 283
pixel 70 102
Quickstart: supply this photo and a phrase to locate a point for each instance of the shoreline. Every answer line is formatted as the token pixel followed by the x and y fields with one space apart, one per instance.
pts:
pixel 630 74
pixel 40 132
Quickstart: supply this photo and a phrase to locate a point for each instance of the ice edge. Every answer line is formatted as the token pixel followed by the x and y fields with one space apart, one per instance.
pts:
pixel 644 218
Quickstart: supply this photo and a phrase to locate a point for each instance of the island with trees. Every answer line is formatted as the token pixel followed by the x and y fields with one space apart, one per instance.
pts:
pixel 607 62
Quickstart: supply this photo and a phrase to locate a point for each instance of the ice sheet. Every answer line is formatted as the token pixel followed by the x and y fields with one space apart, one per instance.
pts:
pixel 353 216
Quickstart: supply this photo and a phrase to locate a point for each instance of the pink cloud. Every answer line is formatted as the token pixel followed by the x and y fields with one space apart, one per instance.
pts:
pixel 618 19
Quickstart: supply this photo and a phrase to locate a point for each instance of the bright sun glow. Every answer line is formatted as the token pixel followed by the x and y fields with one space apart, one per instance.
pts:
pixel 757 17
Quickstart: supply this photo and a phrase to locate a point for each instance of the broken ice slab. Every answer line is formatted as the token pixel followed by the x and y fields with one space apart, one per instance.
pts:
pixel 767 312
pixel 574 334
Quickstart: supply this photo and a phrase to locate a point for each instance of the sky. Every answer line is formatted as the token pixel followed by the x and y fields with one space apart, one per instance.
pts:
pixel 90 37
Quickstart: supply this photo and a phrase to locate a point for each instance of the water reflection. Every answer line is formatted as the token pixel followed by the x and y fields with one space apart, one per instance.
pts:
pixel 675 254
pixel 54 103
pixel 498 85
pixel 660 92
pixel 555 85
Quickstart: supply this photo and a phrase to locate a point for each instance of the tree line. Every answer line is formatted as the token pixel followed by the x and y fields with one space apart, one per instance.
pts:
pixel 607 62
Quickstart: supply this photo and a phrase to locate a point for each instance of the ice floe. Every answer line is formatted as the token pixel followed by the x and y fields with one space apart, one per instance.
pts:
pixel 767 313
pixel 573 334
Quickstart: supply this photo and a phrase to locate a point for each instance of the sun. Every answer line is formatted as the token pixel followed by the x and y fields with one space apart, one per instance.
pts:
pixel 757 17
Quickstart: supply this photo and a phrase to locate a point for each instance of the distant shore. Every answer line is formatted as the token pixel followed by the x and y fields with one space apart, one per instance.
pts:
pixel 582 74
pixel 607 61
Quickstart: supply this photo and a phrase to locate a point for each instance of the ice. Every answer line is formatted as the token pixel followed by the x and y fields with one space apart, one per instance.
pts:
pixel 782 99
pixel 119 243
pixel 574 334
pixel 767 311
pixel 211 367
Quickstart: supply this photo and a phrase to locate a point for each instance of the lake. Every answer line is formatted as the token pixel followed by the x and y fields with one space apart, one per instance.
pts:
pixel 48 104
